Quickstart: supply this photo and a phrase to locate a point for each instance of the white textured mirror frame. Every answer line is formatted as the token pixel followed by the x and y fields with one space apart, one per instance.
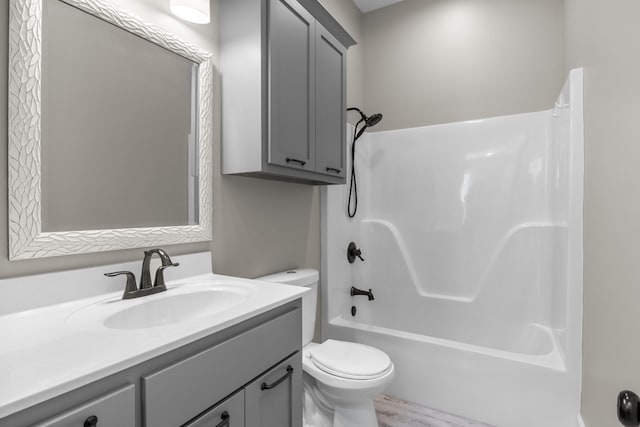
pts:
pixel 26 238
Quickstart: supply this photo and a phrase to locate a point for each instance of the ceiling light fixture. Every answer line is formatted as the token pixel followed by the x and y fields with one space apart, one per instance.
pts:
pixel 196 11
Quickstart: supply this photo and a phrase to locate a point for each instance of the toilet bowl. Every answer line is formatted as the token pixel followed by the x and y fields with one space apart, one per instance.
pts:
pixel 340 378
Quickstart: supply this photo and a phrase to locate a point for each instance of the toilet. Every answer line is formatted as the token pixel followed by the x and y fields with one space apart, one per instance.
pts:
pixel 340 378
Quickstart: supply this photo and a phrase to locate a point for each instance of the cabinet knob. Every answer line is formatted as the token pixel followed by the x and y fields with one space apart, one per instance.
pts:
pixel 91 421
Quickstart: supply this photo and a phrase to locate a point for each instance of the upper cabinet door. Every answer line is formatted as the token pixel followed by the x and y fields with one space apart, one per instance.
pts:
pixel 291 41
pixel 330 103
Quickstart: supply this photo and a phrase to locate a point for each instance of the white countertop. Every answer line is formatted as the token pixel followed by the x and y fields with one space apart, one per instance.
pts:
pixel 43 354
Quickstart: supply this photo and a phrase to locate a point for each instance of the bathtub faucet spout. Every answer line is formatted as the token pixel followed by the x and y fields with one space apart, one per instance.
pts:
pixel 355 291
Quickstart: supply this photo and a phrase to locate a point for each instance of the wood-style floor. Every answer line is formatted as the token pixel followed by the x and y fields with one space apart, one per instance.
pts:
pixel 393 412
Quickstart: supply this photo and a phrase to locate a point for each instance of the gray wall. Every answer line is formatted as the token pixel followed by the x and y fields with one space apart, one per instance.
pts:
pixel 603 37
pixel 438 61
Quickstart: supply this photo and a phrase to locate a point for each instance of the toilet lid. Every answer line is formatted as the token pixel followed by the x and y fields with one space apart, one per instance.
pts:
pixel 350 360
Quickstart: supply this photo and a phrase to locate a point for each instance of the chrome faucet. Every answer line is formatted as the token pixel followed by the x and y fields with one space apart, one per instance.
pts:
pixel 146 287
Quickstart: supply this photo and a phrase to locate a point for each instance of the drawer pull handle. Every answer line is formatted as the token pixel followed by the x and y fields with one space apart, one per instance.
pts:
pixel 91 421
pixel 302 162
pixel 336 170
pixel 226 419
pixel 265 386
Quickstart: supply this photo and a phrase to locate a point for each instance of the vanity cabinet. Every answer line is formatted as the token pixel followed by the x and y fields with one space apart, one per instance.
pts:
pixel 180 391
pixel 214 381
pixel 283 65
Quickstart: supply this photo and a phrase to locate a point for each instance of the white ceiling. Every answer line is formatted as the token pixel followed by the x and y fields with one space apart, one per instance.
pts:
pixel 369 5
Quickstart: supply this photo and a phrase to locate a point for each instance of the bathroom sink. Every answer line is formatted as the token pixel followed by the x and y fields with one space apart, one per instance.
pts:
pixel 173 309
pixel 176 305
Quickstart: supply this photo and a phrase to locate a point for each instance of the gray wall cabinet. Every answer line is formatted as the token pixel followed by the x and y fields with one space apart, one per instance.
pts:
pixel 283 65
pixel 252 370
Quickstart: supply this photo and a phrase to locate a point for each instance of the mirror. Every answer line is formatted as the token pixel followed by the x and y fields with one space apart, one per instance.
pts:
pixel 109 131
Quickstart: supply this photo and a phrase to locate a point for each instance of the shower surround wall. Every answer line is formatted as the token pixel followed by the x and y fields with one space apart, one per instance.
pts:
pixel 472 238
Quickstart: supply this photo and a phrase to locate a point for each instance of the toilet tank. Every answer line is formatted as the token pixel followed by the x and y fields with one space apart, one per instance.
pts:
pixel 303 277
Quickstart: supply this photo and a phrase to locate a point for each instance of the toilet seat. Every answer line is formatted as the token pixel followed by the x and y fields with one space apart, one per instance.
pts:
pixel 348 360
pixel 341 391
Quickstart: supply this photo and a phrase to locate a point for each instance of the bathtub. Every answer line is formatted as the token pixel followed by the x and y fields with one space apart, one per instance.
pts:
pixel 472 238
pixel 497 387
pixel 491 356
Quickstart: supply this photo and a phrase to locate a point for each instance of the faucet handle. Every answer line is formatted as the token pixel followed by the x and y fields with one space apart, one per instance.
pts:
pixel 159 281
pixel 352 252
pixel 130 288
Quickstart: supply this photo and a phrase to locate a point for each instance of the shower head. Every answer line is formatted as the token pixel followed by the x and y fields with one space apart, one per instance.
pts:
pixel 373 120
pixel 370 121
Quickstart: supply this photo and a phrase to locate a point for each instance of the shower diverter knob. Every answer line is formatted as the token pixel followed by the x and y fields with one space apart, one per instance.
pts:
pixel 353 252
pixel 629 409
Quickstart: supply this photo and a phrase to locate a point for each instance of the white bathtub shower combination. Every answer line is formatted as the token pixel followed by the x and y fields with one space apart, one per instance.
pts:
pixel 472 238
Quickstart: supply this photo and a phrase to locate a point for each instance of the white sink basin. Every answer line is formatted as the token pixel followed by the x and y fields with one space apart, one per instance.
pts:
pixel 173 309
pixel 178 304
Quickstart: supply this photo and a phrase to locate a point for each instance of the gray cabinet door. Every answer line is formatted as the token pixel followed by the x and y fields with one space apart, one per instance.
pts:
pixel 229 413
pixel 291 41
pixel 275 398
pixel 330 103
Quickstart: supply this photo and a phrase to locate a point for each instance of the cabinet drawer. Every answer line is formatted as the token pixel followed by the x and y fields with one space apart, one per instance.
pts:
pixel 229 413
pixel 176 394
pixel 116 409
